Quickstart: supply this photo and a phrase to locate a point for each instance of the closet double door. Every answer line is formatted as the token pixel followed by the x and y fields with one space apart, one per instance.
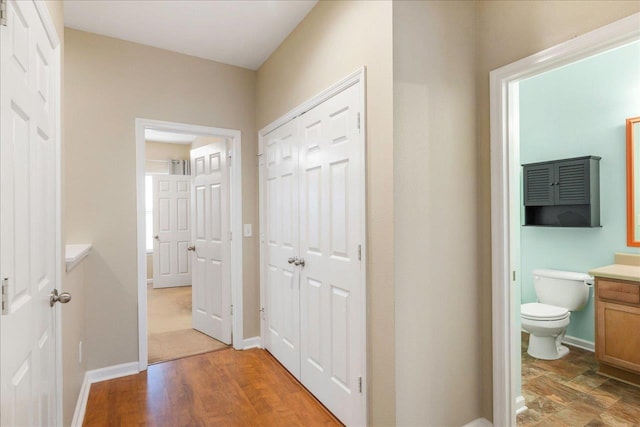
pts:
pixel 313 236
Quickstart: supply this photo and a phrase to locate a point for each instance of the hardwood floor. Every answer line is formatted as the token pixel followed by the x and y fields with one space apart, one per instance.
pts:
pixel 223 388
pixel 570 392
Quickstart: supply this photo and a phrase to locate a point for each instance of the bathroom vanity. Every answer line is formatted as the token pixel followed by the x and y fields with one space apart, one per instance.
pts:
pixel 617 303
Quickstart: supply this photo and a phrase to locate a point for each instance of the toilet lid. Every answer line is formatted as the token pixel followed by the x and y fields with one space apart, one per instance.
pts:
pixel 538 311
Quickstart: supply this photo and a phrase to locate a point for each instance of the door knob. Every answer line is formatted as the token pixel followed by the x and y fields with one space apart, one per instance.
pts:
pixel 191 248
pixel 63 298
pixel 299 261
pixel 156 237
pixel 292 260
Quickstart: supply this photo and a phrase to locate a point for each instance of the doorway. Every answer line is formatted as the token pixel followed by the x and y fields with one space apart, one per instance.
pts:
pixel 506 188
pixel 173 289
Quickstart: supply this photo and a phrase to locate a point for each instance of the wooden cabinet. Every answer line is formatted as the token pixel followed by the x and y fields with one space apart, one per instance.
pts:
pixel 618 328
pixel 562 193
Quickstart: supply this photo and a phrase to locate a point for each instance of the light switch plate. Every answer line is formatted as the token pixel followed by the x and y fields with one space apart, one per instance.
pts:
pixel 247 230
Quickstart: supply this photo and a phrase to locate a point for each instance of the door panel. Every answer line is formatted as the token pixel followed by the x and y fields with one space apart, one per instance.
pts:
pixel 330 235
pixel 281 200
pixel 211 238
pixel 27 219
pixel 171 226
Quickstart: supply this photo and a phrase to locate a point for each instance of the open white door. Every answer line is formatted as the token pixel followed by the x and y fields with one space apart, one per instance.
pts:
pixel 171 230
pixel 282 337
pixel 28 259
pixel 211 238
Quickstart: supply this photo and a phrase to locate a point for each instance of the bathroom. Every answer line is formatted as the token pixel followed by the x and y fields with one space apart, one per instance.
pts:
pixel 576 111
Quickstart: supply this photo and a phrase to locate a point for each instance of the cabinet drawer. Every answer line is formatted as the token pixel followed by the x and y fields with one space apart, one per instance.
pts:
pixel 618 291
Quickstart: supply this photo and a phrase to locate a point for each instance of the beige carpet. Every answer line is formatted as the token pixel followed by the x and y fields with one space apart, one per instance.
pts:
pixel 169 330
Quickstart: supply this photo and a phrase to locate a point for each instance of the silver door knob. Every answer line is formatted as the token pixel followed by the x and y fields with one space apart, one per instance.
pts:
pixel 63 298
pixel 299 262
pixel 292 260
pixel 191 248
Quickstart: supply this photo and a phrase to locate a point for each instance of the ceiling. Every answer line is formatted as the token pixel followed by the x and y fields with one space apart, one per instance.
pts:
pixel 170 137
pixel 241 32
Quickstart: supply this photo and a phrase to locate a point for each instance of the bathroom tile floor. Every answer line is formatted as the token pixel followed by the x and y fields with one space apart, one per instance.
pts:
pixel 570 392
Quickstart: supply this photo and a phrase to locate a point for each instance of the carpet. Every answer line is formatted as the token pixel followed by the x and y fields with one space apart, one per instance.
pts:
pixel 169 330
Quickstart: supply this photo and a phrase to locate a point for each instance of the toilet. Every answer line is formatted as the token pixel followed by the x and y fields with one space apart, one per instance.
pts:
pixel 559 293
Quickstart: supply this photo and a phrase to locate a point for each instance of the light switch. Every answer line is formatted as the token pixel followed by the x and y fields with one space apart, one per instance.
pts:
pixel 247 230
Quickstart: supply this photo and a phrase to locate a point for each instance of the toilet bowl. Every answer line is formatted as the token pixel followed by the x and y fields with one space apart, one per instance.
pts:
pixel 546 325
pixel 559 293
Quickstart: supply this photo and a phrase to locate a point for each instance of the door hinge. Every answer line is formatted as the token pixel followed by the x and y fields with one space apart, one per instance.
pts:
pixel 229 160
pixel 513 275
pixel 359 252
pixel 3 13
pixel 5 296
pixel 231 309
pixel 360 384
pixel 262 313
pixel 358 122
pixel 231 235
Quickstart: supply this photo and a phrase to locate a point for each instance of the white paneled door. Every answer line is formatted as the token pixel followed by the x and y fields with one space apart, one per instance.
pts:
pixel 28 266
pixel 282 244
pixel 171 230
pixel 313 184
pixel 211 240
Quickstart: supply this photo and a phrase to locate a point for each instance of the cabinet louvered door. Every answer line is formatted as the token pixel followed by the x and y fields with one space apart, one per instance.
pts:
pixel 572 182
pixel 538 185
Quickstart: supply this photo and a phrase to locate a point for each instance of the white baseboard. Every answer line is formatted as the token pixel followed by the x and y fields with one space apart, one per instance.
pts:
pixel 580 343
pixel 95 376
pixel 479 422
pixel 520 405
pixel 254 342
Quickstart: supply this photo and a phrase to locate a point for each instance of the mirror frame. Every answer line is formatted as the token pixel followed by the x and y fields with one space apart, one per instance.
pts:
pixel 630 183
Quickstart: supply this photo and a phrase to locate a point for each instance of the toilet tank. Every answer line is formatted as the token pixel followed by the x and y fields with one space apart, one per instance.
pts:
pixel 562 288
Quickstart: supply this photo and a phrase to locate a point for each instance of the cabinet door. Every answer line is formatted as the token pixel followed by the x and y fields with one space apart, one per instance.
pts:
pixel 617 337
pixel 572 182
pixel 538 185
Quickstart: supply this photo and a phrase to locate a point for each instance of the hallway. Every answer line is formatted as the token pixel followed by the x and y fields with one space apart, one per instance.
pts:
pixel 223 388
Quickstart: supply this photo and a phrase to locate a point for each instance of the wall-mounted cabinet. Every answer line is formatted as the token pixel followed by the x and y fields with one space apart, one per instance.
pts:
pixel 562 193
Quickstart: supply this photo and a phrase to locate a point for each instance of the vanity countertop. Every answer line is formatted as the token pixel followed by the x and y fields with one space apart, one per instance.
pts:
pixel 626 267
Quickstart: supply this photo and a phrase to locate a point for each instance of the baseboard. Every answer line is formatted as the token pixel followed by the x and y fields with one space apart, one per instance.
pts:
pixel 479 422
pixel 254 342
pixel 580 343
pixel 520 405
pixel 95 376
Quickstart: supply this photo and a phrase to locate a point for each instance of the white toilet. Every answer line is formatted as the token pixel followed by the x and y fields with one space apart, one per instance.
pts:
pixel 559 293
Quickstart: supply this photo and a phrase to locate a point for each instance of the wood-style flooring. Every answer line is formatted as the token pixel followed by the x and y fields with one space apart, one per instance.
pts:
pixel 569 392
pixel 223 388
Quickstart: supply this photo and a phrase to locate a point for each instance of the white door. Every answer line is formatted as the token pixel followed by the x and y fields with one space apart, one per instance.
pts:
pixel 282 243
pixel 28 264
pixel 313 184
pixel 211 238
pixel 331 235
pixel 171 230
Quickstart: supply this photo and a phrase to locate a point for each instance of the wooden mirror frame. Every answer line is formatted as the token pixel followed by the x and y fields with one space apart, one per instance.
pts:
pixel 631 240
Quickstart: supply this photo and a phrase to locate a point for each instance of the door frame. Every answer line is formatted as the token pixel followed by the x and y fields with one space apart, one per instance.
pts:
pixel 505 193
pixel 54 39
pixel 235 187
pixel 358 76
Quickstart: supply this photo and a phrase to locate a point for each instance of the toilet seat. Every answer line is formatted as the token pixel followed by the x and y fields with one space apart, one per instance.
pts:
pixel 538 311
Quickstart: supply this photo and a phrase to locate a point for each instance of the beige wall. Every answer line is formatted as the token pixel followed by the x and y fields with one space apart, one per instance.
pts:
pixel 438 333
pixel 335 39
pixel 154 150
pixel 509 31
pixel 108 84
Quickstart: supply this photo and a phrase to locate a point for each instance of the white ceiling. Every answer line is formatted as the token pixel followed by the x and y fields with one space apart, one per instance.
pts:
pixel 240 32
pixel 171 137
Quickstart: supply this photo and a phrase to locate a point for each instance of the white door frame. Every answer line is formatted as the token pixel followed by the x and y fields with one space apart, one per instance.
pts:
pixel 358 76
pixel 54 39
pixel 236 225
pixel 505 191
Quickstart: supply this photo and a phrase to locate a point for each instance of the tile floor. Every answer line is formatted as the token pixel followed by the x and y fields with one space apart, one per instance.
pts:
pixel 569 392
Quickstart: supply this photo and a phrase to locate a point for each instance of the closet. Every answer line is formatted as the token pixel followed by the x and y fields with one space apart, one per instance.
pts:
pixel 312 179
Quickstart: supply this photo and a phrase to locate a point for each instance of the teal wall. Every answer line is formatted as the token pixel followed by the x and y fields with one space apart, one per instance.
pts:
pixel 573 111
